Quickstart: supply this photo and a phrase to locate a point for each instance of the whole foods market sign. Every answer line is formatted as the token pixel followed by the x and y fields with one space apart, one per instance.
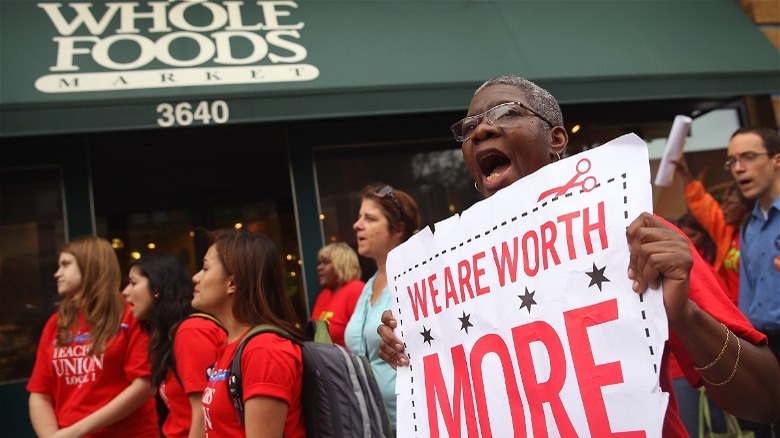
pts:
pixel 160 44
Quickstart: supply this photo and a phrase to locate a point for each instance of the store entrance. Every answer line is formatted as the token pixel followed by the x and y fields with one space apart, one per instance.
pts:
pixel 155 190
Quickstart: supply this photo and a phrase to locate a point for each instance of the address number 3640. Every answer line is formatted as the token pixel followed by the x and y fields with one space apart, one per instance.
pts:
pixel 185 113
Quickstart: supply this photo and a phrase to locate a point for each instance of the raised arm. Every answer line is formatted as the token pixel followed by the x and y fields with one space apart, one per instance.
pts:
pixel 742 377
pixel 702 205
pixel 681 166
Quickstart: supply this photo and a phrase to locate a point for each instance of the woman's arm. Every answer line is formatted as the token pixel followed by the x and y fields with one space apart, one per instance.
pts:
pixel 124 404
pixel 745 378
pixel 704 207
pixel 265 417
pixel 42 416
pixel 197 427
pixel 750 372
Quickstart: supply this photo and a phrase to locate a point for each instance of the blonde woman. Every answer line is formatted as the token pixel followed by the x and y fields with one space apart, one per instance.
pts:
pixel 91 374
pixel 338 271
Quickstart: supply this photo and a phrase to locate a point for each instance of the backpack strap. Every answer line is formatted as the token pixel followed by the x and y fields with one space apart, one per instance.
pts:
pixel 234 375
pixel 206 316
pixel 318 330
pixel 192 315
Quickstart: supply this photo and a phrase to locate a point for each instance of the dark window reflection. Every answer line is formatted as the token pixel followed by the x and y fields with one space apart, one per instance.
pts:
pixel 31 233
pixel 155 190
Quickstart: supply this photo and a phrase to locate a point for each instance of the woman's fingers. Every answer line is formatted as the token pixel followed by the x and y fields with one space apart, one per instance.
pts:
pixel 391 348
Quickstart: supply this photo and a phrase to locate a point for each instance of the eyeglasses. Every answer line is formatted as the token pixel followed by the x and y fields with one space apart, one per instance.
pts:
pixel 744 158
pixel 388 191
pixel 501 115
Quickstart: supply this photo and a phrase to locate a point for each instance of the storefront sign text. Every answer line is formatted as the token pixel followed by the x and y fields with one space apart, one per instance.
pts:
pixel 134 45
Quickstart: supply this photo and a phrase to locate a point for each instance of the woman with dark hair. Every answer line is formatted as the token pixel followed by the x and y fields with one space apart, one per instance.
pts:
pixel 698 237
pixel 387 218
pixel 91 374
pixel 242 284
pixel 181 348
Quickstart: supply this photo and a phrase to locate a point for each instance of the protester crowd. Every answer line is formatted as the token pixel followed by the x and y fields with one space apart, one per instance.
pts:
pixel 105 357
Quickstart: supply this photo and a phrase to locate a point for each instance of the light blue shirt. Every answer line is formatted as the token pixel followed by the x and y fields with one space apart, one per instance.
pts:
pixel 361 336
pixel 759 279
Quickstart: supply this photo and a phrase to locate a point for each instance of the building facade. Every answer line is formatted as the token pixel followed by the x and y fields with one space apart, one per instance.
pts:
pixel 146 122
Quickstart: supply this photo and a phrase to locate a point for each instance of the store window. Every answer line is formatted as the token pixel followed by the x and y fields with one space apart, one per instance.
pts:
pixel 157 191
pixel 32 231
pixel 433 173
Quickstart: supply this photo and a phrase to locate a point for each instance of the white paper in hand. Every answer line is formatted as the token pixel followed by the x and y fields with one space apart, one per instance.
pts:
pixel 673 150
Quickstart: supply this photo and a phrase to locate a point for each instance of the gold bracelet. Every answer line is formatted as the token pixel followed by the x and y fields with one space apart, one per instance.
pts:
pixel 734 371
pixel 723 350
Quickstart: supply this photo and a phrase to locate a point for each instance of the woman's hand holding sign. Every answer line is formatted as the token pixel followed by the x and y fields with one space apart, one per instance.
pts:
pixel 660 256
pixel 391 349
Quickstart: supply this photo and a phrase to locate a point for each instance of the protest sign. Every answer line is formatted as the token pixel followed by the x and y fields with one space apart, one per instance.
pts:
pixel 518 316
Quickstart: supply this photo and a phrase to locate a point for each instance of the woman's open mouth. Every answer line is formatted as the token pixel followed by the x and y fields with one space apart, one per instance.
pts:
pixel 494 168
pixel 492 165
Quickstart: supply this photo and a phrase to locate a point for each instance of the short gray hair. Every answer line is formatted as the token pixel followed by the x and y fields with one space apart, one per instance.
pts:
pixel 539 99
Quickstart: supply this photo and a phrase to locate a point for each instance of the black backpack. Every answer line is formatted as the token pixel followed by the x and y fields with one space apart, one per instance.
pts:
pixel 340 397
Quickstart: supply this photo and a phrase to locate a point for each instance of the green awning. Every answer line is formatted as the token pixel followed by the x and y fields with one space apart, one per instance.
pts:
pixel 69 67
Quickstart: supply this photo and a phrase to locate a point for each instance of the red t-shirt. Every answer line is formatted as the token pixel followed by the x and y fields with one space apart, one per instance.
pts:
pixel 706 292
pixel 80 384
pixel 271 366
pixel 337 307
pixel 197 345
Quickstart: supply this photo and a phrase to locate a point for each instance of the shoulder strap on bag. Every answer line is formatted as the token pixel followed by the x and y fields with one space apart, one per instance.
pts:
pixel 234 376
pixel 704 415
pixel 318 331
pixel 206 316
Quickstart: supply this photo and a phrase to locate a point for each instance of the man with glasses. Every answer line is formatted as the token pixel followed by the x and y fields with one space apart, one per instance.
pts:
pixel 513 128
pixel 754 162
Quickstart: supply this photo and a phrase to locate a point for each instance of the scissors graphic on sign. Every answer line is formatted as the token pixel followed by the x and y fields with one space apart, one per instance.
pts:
pixel 587 184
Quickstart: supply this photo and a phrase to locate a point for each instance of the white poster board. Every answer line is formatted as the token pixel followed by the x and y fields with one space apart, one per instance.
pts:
pixel 518 316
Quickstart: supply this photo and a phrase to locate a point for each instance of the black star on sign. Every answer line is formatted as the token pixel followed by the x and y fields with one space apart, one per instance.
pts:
pixel 426 334
pixel 464 322
pixel 527 299
pixel 597 276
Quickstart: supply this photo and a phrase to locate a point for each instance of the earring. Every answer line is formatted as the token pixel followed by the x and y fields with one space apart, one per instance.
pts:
pixel 156 296
pixel 559 155
pixel 476 187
